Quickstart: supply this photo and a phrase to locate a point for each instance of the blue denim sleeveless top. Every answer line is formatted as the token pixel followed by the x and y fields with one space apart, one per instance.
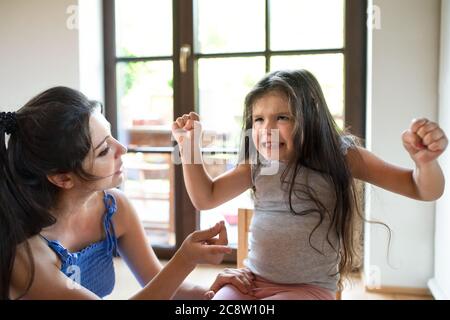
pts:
pixel 92 267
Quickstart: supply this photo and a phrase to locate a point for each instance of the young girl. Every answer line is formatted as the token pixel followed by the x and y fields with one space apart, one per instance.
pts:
pixel 302 175
pixel 61 221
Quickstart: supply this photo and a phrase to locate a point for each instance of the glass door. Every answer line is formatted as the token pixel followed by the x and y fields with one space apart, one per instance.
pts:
pixel 164 58
pixel 145 107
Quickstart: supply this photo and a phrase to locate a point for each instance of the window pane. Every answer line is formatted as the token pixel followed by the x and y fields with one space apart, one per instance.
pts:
pixel 306 24
pixel 222 86
pixel 149 186
pixel 230 26
pixel 145 103
pixel 143 28
pixel 329 71
pixel 216 165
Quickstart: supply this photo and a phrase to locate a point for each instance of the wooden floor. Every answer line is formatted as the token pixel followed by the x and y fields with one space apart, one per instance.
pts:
pixel 126 285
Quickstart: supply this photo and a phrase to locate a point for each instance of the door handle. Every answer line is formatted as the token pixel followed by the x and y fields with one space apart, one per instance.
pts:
pixel 185 53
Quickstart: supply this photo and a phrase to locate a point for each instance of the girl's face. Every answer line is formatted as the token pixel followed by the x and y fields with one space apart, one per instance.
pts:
pixel 273 125
pixel 105 158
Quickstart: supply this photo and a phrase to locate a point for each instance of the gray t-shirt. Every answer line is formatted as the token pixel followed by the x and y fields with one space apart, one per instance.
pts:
pixel 281 249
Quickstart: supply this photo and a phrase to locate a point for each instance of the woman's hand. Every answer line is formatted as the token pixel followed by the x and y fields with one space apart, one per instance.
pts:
pixel 424 140
pixel 242 279
pixel 202 247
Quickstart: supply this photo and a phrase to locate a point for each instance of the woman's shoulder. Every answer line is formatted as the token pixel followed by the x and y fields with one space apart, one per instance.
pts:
pixel 121 199
pixel 39 247
pixel 30 279
pixel 124 209
pixel 43 260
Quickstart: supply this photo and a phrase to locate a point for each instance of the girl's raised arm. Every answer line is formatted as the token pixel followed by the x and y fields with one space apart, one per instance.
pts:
pixel 205 193
pixel 425 142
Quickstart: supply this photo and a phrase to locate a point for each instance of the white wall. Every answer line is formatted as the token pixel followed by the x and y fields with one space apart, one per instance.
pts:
pixel 440 284
pixel 403 84
pixel 37 50
pixel 46 43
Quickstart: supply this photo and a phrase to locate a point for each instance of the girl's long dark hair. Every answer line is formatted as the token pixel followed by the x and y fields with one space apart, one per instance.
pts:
pixel 320 143
pixel 51 136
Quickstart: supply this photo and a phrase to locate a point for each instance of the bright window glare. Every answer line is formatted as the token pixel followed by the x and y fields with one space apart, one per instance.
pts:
pixel 143 28
pixel 145 95
pixel 230 26
pixel 306 24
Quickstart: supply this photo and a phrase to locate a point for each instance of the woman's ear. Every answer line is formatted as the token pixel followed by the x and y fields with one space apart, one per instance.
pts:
pixel 62 180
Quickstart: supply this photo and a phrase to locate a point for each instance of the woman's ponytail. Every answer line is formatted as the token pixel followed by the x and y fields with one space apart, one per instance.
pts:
pixel 10 229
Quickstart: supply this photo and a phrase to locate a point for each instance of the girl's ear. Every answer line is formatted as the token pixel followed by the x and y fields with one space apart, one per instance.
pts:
pixel 62 180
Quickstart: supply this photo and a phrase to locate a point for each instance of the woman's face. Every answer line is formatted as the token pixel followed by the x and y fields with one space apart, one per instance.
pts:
pixel 105 158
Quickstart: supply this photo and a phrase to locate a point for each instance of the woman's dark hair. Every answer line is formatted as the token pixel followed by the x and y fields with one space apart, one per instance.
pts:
pixel 51 135
pixel 321 141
